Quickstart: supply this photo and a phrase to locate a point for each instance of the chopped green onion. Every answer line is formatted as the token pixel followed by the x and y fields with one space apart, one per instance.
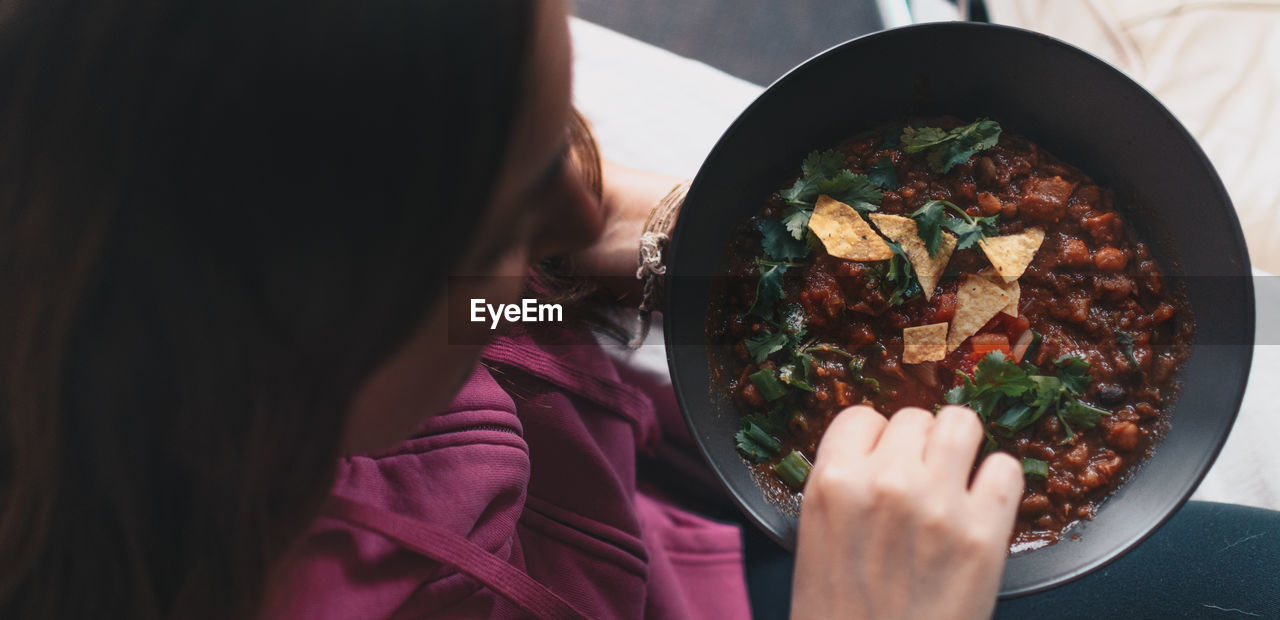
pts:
pixel 857 363
pixel 793 377
pixel 1035 468
pixel 798 424
pixel 829 348
pixel 755 444
pixel 767 382
pixel 793 469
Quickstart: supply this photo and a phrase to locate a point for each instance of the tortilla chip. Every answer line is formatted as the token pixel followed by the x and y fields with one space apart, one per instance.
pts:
pixel 1010 254
pixel 902 230
pixel 1010 287
pixel 977 302
pixel 844 233
pixel 926 343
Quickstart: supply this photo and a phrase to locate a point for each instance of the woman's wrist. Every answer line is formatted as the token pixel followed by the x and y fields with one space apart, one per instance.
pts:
pixel 629 201
pixel 654 243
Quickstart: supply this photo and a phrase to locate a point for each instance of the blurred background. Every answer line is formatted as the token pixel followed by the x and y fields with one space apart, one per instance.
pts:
pixel 759 40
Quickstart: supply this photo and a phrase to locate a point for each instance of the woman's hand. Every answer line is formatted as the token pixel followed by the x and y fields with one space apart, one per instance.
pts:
pixel 891 526
pixel 629 196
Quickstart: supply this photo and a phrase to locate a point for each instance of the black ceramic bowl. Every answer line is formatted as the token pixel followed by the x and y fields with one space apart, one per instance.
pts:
pixel 1078 108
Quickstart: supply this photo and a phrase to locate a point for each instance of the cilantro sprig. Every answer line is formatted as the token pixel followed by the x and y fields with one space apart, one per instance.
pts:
pixel 787 360
pixel 899 282
pixel 786 334
pixel 971 229
pixel 1011 397
pixel 796 221
pixel 825 172
pixel 932 218
pixel 816 168
pixel 855 190
pixel 766 343
pixel 947 149
pixel 779 243
pixel 769 286
pixel 883 174
pixel 781 251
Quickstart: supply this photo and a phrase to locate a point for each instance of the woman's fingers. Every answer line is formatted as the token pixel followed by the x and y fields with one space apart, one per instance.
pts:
pixel 853 432
pixel 889 526
pixel 953 443
pixel 905 435
pixel 946 443
pixel 996 491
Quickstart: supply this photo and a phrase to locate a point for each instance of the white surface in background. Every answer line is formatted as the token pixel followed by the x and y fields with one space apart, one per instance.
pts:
pixel 1214 63
pixel 654 110
pixel 651 109
pixel 895 13
pixel 1248 470
pixel 923 11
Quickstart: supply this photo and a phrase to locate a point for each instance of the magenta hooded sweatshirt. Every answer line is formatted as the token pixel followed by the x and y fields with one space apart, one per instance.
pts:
pixel 526 484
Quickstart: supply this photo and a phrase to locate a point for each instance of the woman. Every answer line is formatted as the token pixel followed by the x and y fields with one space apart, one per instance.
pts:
pixel 239 241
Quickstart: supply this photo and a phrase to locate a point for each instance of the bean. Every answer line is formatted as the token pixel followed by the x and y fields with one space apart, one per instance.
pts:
pixel 1125 414
pixel 1101 227
pixel 1110 393
pixel 1109 259
pixel 1090 479
pixel 1034 504
pixel 1040 451
pixel 844 393
pixel 1073 252
pixel 1058 487
pixel 989 204
pixel 1078 455
pixel 1078 308
pixel 822 393
pixel 1109 467
pixel 987 170
pixel 1124 436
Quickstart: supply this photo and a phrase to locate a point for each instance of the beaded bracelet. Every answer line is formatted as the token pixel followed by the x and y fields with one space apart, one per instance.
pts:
pixel 653 247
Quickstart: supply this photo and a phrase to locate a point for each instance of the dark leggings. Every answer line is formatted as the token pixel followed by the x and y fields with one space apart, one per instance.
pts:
pixel 1209 561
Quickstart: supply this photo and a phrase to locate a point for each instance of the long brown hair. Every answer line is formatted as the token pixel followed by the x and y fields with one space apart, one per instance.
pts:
pixel 216 218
